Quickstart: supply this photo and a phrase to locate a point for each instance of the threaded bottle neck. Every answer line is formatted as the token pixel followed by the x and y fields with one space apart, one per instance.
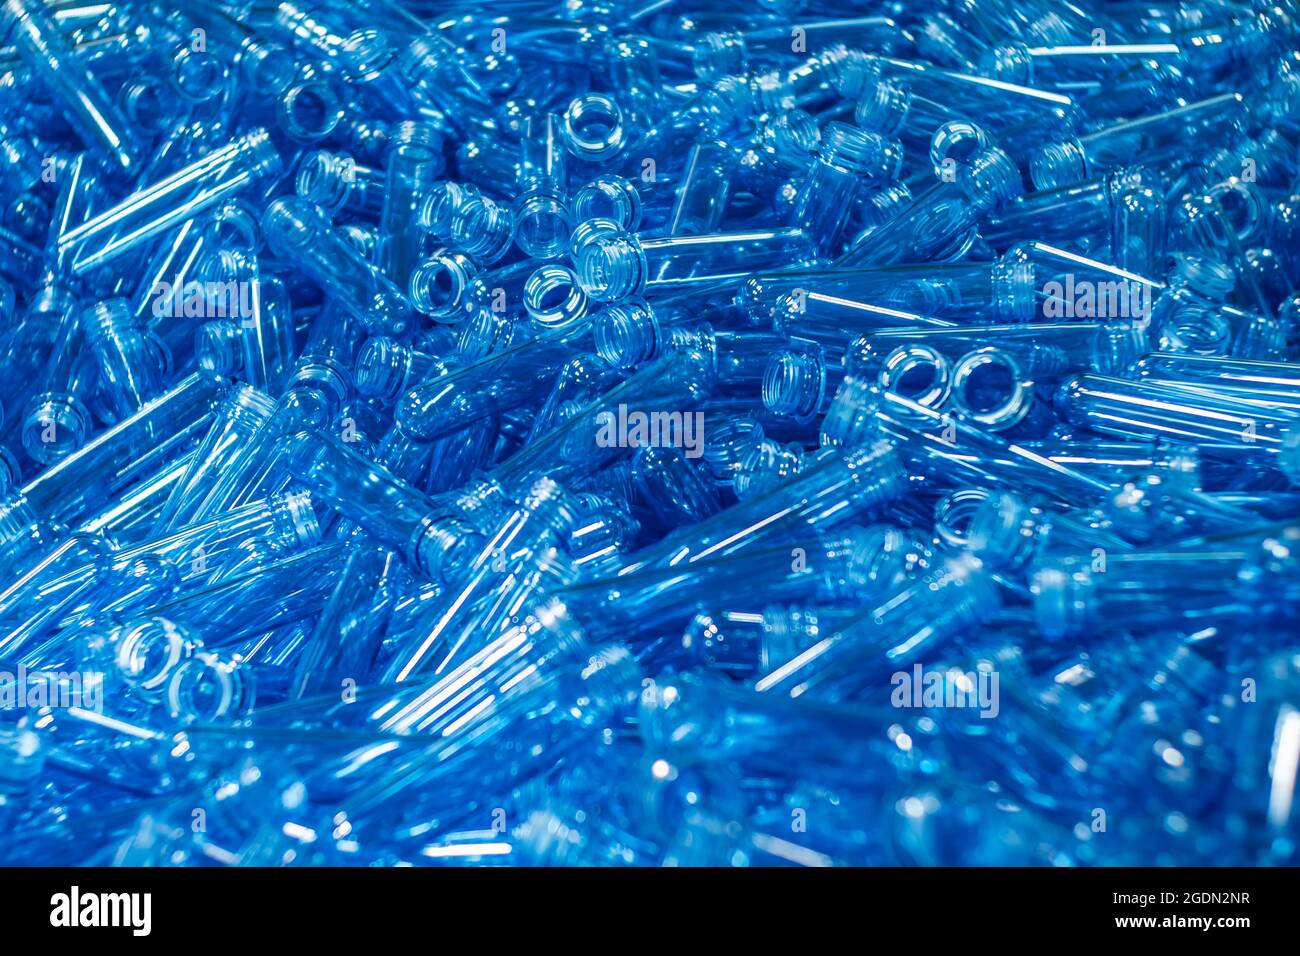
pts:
pixel 765 465
pixel 108 319
pixel 1058 164
pixel 614 198
pixel 990 387
pixel 1062 599
pixel 919 372
pixel 440 286
pixel 326 179
pixel 594 128
pixel 365 54
pixel 1196 330
pixel 382 367
pixel 794 383
pixel 309 110
pixel 293 223
pixel 539 223
pixel 626 333
pixel 719 54
pixel 550 505
pixel 485 332
pixel 884 109
pixel 877 472
pixel 953 514
pixel 248 408
pixel 412 133
pixel 788 630
pixel 296 522
pixel 794 137
pixel 851 417
pixel 209 688
pixel 859 152
pixel 1014 296
pixel 56 425
pixel 265 160
pixel 727 104
pixel 610 675
pixel 991 180
pixel 868 559
pixel 856 72
pixel 148 652
pixel 1115 347
pixel 1004 531
pixel 1208 277
pixel 553 298
pixel 443 545
pixel 483 228
pixel 424 57
pixel 438 211
pixel 269 67
pixel 612 267
pixel 1010 64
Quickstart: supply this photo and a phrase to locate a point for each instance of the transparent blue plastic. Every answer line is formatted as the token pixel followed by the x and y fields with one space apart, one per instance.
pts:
pixel 303 234
pixel 122 228
pixel 620 265
pixel 45 49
